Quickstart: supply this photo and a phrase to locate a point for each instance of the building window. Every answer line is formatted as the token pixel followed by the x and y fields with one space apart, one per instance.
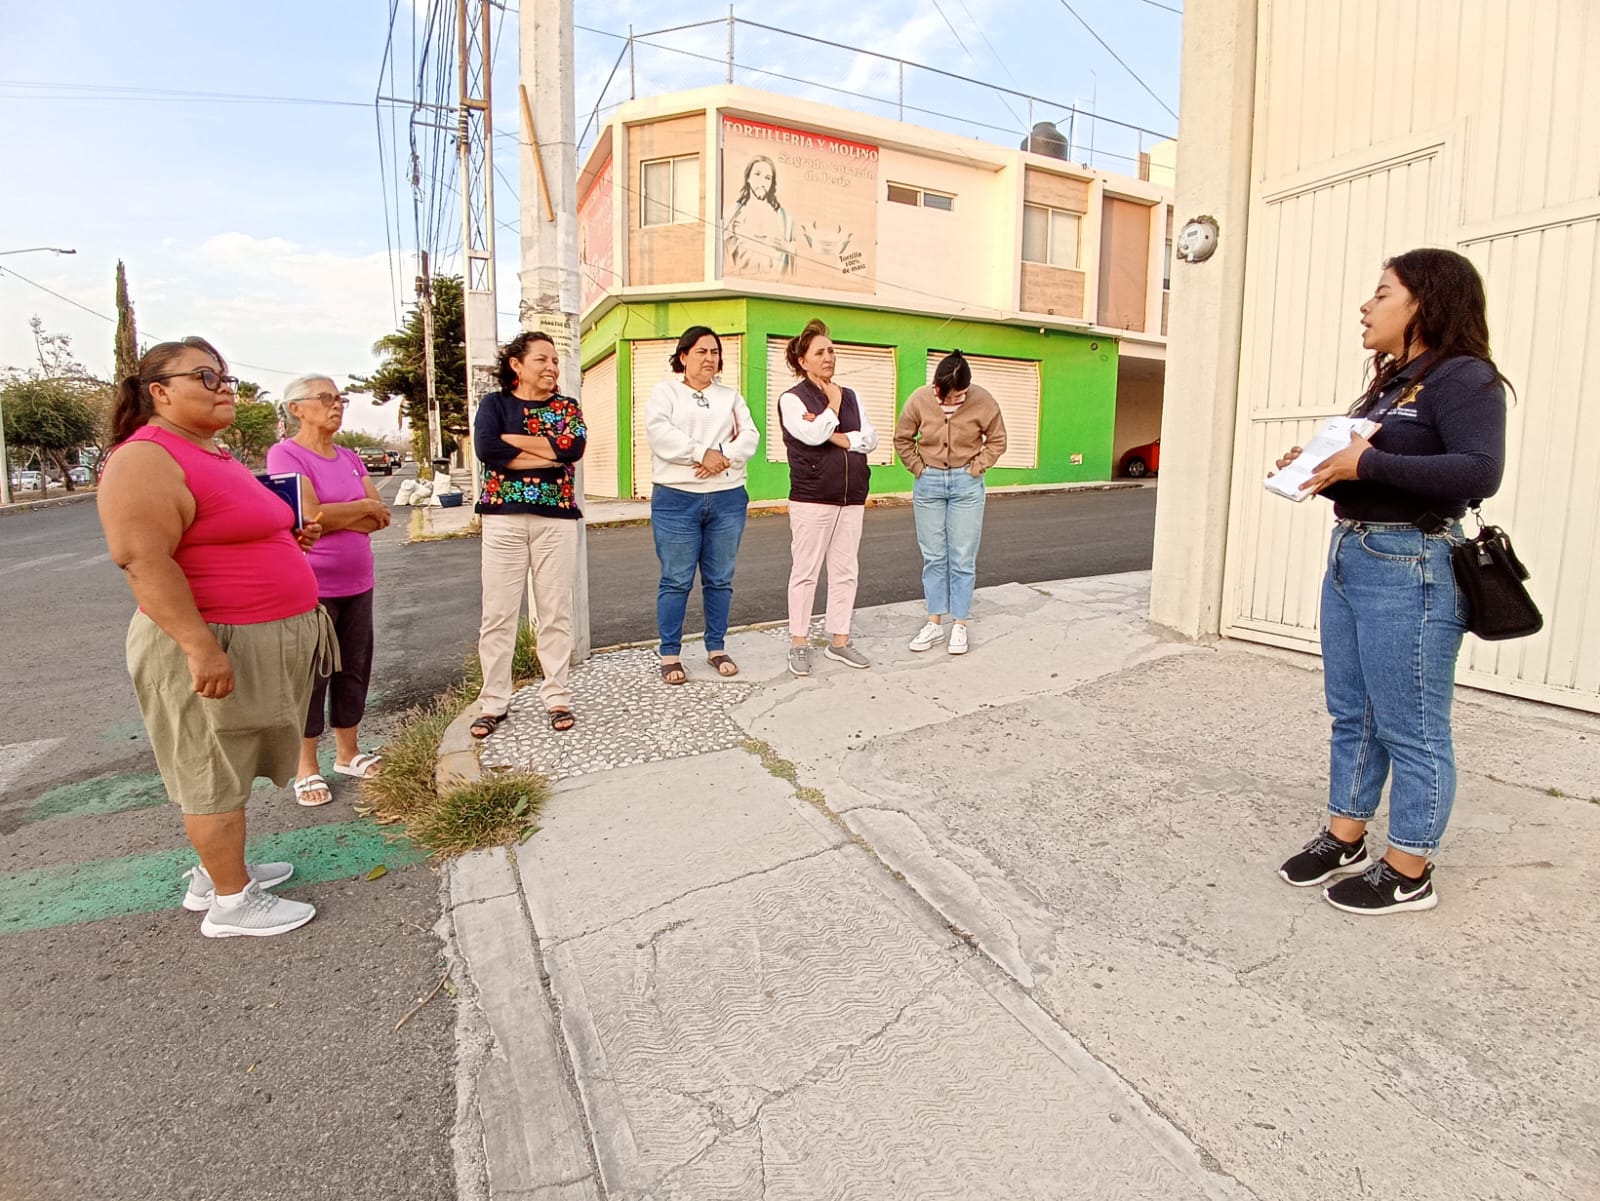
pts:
pixel 900 193
pixel 670 188
pixel 1166 267
pixel 1049 236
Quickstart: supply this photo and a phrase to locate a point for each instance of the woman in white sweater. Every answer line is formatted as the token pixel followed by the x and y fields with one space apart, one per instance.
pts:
pixel 701 436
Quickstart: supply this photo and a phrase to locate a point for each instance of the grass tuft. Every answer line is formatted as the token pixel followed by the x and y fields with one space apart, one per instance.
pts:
pixel 494 811
pixel 524 662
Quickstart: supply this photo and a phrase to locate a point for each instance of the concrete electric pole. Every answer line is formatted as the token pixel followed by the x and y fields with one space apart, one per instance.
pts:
pixel 425 301
pixel 549 190
pixel 474 132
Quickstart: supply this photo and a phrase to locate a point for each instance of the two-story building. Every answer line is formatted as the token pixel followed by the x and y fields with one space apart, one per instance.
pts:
pixel 751 213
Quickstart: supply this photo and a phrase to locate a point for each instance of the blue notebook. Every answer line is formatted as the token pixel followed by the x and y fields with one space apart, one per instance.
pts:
pixel 286 486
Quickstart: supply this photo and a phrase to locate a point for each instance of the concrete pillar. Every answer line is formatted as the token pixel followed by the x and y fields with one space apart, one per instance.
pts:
pixel 1216 124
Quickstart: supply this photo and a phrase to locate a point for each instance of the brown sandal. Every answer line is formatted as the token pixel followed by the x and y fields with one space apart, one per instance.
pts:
pixel 673 673
pixel 562 720
pixel 717 659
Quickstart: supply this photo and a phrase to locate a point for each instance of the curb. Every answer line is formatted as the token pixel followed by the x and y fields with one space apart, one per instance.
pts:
pixel 48 502
pixel 456 761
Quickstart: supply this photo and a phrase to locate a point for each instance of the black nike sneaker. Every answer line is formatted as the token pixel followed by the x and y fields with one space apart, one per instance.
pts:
pixel 1381 889
pixel 1324 858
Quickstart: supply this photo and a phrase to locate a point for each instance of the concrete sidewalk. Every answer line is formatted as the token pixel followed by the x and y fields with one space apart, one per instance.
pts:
pixel 1007 926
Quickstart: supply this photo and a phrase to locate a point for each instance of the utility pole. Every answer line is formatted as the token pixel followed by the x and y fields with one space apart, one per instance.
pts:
pixel 425 300
pixel 549 190
pixel 473 58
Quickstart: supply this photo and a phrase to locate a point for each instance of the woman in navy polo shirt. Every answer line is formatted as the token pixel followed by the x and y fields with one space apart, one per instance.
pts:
pixel 1392 614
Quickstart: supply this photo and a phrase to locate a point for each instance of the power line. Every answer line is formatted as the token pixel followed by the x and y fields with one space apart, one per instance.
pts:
pixel 104 317
pixel 1164 7
pixel 973 59
pixel 1118 57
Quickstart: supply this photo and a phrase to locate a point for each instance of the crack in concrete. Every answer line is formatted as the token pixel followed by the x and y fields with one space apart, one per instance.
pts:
pixel 835 1060
pixel 555 943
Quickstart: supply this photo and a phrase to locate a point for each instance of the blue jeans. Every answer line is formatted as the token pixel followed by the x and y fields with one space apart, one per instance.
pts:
pixel 696 529
pixel 947 503
pixel 1392 623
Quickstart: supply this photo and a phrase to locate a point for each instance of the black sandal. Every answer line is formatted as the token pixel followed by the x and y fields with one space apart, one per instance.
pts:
pixel 485 724
pixel 562 720
pixel 673 673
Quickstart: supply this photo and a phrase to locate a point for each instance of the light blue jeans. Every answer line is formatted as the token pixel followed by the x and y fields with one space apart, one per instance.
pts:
pixel 1392 623
pixel 948 506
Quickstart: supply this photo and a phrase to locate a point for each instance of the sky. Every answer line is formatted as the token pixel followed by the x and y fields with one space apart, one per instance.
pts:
pixel 234 158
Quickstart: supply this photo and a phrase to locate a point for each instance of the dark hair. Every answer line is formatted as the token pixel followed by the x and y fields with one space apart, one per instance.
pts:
pixel 515 349
pixel 134 406
pixel 951 375
pixel 772 192
pixel 1451 318
pixel 801 342
pixel 685 343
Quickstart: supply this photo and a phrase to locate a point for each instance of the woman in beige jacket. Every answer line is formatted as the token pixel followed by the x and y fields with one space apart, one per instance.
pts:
pixel 949 433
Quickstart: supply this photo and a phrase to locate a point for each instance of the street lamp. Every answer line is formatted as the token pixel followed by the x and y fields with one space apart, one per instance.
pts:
pixel 5 461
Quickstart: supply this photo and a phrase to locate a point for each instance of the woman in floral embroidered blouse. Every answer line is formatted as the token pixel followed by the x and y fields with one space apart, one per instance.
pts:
pixel 529 437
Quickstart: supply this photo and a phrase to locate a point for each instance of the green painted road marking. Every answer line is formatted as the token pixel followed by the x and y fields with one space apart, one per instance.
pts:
pixel 135 790
pixel 109 794
pixel 106 888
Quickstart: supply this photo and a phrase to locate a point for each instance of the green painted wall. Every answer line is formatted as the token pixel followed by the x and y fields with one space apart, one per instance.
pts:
pixel 1077 375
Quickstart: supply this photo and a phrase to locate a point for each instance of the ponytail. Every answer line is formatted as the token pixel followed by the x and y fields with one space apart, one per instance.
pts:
pixel 133 407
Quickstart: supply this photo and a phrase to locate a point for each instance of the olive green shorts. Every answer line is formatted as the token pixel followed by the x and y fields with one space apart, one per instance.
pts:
pixel 210 752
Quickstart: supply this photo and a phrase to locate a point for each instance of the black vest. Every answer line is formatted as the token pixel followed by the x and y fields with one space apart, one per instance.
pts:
pixel 827 474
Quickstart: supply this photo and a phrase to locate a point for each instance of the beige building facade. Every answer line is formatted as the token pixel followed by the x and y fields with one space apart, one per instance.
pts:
pixel 1325 136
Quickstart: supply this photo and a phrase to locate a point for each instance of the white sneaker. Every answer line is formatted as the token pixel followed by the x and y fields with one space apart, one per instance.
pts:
pixel 259 915
pixel 929 636
pixel 958 640
pixel 197 899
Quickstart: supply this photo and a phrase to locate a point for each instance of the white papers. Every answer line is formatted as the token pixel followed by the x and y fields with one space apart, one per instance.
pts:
pixel 1333 437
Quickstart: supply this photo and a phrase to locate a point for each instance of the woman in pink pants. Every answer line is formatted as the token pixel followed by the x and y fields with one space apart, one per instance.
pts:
pixel 828 438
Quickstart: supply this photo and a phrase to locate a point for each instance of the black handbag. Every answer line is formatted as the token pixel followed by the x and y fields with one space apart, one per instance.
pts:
pixel 1491 576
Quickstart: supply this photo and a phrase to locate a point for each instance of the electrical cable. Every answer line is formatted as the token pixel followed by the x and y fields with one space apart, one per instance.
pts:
pixel 1118 57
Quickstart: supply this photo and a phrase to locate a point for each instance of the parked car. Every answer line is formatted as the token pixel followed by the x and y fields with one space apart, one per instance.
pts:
pixel 1141 461
pixel 376 458
pixel 396 458
pixel 26 481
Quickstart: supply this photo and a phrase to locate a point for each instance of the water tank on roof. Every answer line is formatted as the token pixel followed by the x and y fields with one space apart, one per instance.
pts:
pixel 1045 138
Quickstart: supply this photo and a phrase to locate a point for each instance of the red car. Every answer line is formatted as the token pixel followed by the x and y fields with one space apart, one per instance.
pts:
pixel 1141 461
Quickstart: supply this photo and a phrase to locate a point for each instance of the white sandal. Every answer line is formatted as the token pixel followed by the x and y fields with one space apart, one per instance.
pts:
pixel 362 767
pixel 310 784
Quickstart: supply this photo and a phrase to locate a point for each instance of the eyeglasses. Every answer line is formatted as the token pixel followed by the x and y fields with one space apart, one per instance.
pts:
pixel 700 399
pixel 325 398
pixel 210 380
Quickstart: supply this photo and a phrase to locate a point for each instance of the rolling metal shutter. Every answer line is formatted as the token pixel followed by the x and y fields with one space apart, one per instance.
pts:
pixel 868 371
pixel 1014 384
pixel 598 399
pixel 650 360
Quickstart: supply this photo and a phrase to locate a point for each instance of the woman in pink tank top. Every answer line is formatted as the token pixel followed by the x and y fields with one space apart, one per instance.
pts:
pixel 224 644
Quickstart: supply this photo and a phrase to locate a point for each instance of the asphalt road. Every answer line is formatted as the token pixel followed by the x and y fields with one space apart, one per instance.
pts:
pixel 146 1062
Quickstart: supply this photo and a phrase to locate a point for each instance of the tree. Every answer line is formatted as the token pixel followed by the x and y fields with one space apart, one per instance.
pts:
pixel 59 367
pixel 249 392
pixel 46 417
pixel 254 429
pixel 356 439
pixel 126 348
pixel 402 372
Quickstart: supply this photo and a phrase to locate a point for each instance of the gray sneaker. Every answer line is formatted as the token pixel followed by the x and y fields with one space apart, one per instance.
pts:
pixel 799 660
pixel 198 897
pixel 259 915
pixel 847 654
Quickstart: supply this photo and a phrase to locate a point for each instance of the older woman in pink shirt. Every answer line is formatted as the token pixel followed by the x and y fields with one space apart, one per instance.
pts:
pixel 350 511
